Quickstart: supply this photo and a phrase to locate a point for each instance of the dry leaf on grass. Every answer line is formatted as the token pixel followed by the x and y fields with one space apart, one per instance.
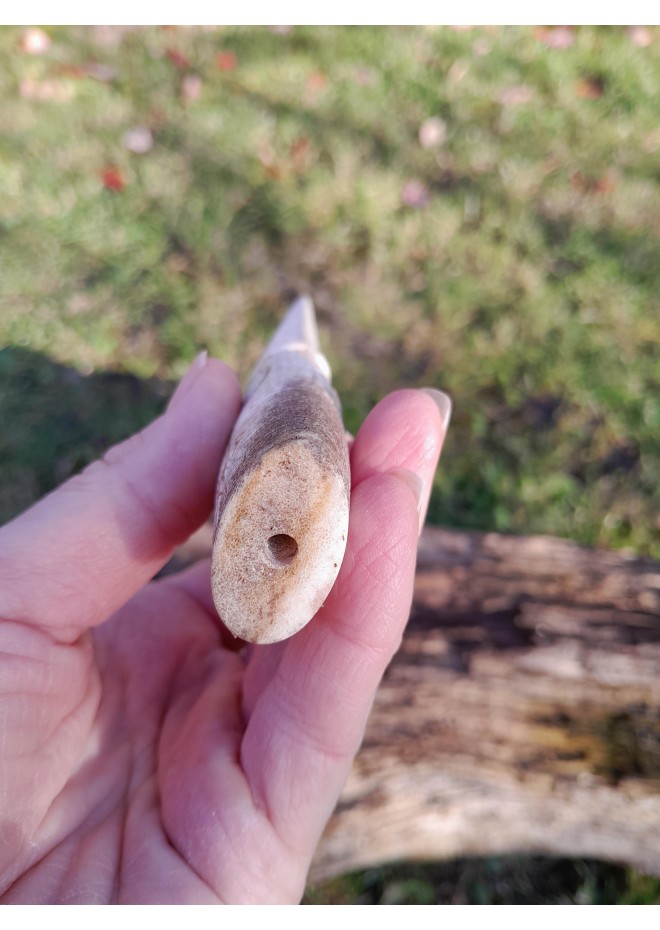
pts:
pixel 113 179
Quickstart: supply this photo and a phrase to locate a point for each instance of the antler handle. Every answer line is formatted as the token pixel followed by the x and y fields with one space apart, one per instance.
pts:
pixel 281 517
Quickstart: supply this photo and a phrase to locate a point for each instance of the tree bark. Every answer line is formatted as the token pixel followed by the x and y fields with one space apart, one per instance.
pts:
pixel 521 714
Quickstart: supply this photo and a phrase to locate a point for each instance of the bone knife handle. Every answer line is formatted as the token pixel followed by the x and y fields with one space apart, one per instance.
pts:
pixel 281 516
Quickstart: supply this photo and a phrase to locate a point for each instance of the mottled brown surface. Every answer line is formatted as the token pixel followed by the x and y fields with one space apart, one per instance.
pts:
pixel 301 409
pixel 286 472
pixel 522 713
pixel 291 493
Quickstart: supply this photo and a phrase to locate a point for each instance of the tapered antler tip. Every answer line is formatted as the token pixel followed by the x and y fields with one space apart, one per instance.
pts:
pixel 283 492
pixel 297 328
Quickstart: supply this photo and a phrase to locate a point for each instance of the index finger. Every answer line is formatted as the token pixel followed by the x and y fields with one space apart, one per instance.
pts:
pixel 83 551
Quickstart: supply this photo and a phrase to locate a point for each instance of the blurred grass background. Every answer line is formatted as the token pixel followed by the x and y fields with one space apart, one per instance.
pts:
pixel 472 209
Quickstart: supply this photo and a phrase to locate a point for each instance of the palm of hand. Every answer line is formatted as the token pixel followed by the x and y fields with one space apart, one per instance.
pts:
pixel 155 706
pixel 147 760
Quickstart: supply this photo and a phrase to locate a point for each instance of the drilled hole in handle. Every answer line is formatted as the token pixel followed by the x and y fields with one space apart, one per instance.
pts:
pixel 283 548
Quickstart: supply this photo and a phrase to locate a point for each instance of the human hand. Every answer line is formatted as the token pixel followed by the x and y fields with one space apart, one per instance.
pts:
pixel 144 756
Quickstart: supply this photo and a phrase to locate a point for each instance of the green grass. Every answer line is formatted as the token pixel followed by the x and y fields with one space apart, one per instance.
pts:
pixel 510 880
pixel 521 274
pixel 526 283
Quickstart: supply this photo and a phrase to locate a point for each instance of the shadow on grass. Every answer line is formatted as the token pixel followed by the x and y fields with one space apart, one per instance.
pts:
pixel 54 420
pixel 505 880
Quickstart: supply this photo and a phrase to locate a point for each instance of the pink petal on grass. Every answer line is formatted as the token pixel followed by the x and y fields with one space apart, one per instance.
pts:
pixel 46 91
pixel 191 88
pixel 99 71
pixel 365 77
pixel 556 36
pixel 640 36
pixel 35 42
pixel 138 140
pixel 415 194
pixel 516 95
pixel 432 132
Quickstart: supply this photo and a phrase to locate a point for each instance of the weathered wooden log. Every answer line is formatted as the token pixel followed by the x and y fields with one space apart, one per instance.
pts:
pixel 281 519
pixel 521 715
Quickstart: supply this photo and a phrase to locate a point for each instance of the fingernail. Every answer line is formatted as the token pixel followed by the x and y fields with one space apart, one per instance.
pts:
pixel 442 402
pixel 189 379
pixel 413 481
pixel 200 361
